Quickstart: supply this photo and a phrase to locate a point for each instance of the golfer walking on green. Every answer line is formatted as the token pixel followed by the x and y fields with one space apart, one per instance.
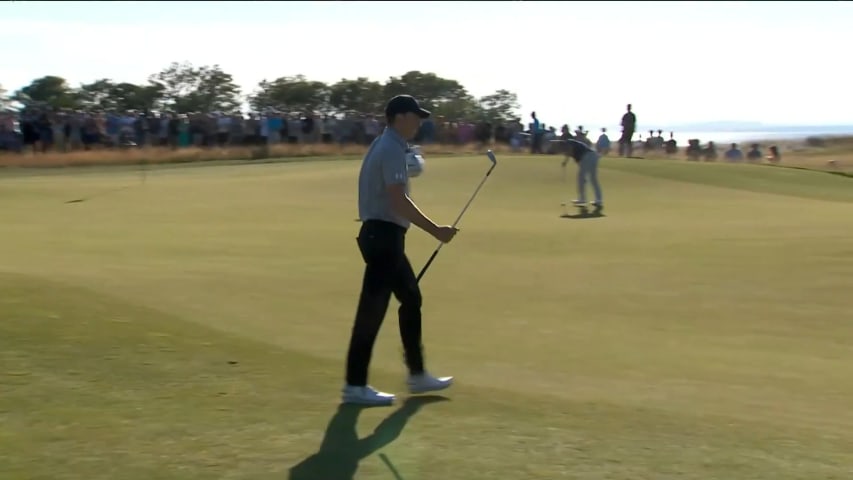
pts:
pixel 386 212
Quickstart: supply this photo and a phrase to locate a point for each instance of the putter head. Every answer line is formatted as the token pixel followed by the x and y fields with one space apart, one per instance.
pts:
pixel 491 156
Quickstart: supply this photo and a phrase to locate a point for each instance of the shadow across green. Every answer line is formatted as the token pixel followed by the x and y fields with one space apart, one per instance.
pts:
pixel 341 450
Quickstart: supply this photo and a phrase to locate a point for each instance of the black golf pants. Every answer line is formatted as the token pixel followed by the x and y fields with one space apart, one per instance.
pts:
pixel 387 271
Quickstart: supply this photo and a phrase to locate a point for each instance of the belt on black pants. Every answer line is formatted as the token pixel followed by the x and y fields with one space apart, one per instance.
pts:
pixel 382 226
pixel 380 238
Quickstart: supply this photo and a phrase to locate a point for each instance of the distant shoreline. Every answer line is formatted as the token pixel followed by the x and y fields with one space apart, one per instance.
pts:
pixel 750 136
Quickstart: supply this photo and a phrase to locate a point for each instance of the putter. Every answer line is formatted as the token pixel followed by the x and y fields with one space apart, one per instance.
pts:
pixel 99 194
pixel 563 167
pixel 143 170
pixel 494 161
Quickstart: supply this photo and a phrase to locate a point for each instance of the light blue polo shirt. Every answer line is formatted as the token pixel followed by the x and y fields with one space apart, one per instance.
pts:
pixel 384 164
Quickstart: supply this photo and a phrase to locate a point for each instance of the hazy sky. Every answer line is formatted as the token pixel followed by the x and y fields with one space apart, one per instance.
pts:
pixel 576 63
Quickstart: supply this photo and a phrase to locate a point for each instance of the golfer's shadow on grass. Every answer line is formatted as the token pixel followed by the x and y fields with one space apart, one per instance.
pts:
pixel 341 449
pixel 584 213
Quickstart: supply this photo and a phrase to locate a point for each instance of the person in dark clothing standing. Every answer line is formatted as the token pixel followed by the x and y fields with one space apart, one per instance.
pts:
pixel 629 126
pixel 535 134
pixel 386 212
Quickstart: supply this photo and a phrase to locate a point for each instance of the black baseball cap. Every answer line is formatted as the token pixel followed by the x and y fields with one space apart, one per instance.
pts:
pixel 402 104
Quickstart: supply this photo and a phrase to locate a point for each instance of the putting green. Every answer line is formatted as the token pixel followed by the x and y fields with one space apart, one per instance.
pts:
pixel 194 326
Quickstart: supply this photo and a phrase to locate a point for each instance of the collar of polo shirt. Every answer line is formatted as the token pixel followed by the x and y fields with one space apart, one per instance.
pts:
pixel 392 134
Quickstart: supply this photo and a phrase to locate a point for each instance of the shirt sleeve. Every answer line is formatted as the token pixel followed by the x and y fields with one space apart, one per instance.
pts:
pixel 393 164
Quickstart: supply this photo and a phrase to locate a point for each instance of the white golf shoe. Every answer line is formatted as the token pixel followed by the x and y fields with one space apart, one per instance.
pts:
pixel 427 383
pixel 366 395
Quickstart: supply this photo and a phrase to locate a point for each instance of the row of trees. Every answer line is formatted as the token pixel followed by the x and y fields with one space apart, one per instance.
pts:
pixel 185 88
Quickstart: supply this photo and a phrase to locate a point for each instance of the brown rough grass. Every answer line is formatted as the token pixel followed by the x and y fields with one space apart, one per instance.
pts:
pixel 835 155
pixel 158 155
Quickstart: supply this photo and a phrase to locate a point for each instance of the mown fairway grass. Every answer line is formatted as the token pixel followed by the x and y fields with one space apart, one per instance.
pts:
pixel 194 326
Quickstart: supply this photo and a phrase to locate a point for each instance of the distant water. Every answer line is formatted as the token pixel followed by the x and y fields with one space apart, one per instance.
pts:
pixel 735 135
pixel 725 137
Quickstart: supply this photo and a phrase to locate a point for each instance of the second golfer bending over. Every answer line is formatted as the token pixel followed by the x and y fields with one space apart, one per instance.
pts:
pixel 587 161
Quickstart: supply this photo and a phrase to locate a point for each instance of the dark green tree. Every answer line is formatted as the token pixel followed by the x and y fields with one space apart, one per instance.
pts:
pixel 291 94
pixel 185 88
pixel 501 106
pixel 358 95
pixel 50 90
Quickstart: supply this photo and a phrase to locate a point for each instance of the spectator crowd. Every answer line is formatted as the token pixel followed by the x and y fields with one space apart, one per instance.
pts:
pixel 42 130
pixel 46 130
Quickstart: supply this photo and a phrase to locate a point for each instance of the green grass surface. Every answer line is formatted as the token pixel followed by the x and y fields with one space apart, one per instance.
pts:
pixel 194 326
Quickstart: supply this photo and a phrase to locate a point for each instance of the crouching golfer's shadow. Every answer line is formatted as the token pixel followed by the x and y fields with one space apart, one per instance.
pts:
pixel 584 212
pixel 341 449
